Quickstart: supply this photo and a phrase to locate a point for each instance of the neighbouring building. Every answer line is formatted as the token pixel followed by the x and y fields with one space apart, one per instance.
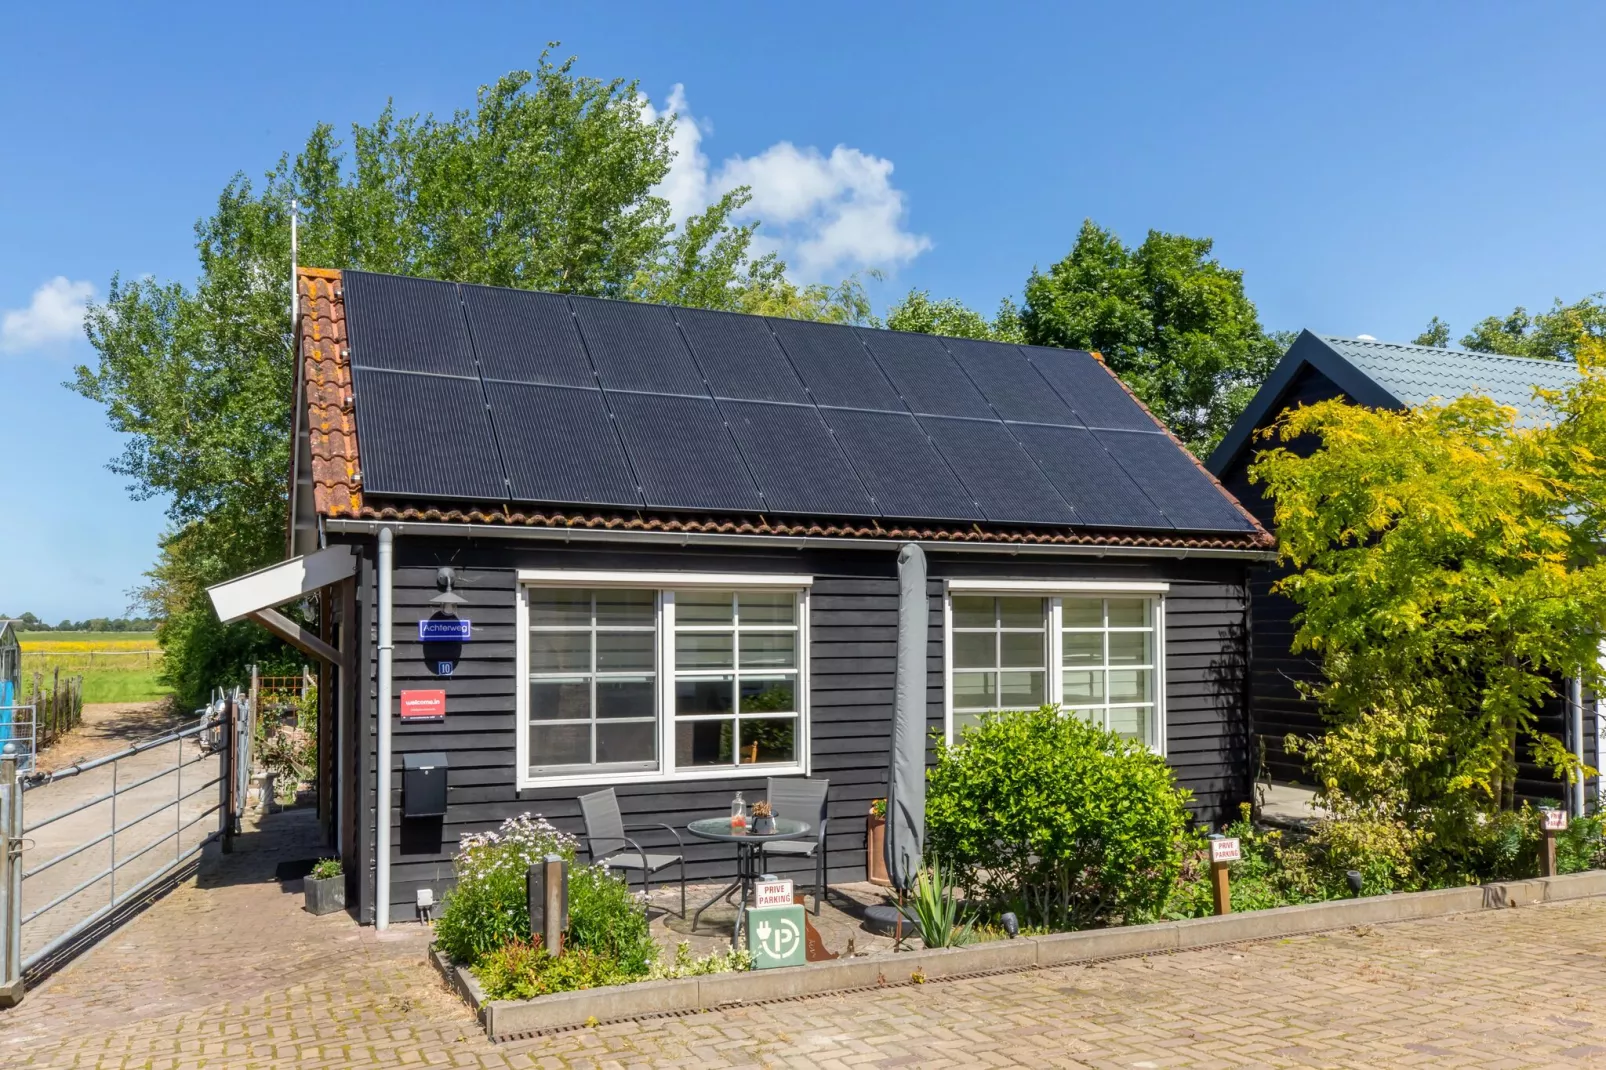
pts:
pixel 1385 375
pixel 675 535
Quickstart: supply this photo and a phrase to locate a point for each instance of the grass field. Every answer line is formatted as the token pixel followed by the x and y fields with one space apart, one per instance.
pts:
pixel 116 666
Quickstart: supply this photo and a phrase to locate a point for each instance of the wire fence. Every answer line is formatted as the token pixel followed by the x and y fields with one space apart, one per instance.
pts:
pixel 42 714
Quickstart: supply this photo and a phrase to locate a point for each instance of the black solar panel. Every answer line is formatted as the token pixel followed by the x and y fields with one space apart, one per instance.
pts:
pixel 637 347
pixel 1089 389
pixel 490 394
pixel 682 453
pixel 1008 380
pixel 526 337
pixel 796 460
pixel 406 325
pixel 739 356
pixel 997 471
pixel 560 446
pixel 834 366
pixel 426 436
pixel 1087 476
pixel 923 372
pixel 897 464
pixel 1190 498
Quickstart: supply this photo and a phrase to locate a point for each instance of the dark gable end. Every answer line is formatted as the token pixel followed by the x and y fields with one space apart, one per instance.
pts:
pixel 505 406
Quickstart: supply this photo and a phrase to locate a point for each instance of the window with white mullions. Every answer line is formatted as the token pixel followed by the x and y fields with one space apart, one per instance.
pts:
pixel 1108 673
pixel 1000 655
pixel 736 673
pixel 593 671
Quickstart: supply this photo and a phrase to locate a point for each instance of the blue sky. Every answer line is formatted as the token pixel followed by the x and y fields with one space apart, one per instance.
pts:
pixel 1367 166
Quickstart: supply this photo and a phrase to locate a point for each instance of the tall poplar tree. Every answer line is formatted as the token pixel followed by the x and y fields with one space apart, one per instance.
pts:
pixel 547 183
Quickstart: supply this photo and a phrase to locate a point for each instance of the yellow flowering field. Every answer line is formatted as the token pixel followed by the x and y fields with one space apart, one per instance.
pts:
pixel 83 642
pixel 116 666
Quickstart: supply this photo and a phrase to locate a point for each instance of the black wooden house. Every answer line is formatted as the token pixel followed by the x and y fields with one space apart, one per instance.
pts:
pixel 674 533
pixel 1386 375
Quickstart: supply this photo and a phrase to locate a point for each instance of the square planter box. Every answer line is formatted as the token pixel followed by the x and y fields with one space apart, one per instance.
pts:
pixel 325 896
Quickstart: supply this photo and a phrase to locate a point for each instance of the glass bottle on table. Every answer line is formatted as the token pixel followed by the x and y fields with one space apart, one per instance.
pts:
pixel 738 812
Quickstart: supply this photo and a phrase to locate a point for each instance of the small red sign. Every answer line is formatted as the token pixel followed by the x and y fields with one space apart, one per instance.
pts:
pixel 423 705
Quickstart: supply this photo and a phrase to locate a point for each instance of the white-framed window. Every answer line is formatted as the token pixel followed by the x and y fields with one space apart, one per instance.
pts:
pixel 651 676
pixel 1095 649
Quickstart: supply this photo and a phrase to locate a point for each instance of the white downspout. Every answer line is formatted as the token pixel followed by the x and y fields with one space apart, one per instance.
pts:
pixel 382 818
pixel 1576 695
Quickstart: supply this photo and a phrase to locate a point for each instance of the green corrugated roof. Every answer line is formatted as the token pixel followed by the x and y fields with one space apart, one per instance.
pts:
pixel 1417 374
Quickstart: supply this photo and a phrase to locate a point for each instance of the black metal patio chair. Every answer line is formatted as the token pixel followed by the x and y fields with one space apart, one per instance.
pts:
pixel 607 843
pixel 802 798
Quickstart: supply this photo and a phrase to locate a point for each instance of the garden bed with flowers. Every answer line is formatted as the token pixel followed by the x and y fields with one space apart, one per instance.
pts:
pixel 485 922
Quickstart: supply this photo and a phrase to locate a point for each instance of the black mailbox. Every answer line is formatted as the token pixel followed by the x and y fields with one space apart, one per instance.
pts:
pixel 424 784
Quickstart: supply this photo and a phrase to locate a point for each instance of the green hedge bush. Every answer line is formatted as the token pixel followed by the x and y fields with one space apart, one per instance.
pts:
pixel 1068 824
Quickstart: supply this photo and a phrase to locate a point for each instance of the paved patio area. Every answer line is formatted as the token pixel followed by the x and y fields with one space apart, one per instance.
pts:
pixel 230 972
pixel 840 922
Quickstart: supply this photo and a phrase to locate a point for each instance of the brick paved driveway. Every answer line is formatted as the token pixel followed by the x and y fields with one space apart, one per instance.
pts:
pixel 232 973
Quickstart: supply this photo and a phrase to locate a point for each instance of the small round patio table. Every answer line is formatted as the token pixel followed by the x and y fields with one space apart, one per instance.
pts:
pixel 749 851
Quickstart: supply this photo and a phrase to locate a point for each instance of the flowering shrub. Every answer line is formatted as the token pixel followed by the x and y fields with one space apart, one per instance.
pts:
pixel 489 908
pixel 607 918
pixel 722 960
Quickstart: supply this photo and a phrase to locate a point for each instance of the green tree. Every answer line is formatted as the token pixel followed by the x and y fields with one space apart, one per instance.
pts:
pixel 917 312
pixel 1167 317
pixel 1448 571
pixel 1552 335
pixel 1436 336
pixel 546 183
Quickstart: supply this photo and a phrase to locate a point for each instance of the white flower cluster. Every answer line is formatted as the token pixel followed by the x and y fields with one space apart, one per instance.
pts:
pixel 520 843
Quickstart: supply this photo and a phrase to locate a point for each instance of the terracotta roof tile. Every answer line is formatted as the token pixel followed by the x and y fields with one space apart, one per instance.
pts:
pixel 337 479
pixel 326 381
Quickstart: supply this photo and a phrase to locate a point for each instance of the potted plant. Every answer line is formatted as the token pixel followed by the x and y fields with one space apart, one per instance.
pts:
pixel 325 887
pixel 875 844
pixel 763 818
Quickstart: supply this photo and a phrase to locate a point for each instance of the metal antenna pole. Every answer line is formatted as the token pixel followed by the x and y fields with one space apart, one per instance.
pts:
pixel 295 293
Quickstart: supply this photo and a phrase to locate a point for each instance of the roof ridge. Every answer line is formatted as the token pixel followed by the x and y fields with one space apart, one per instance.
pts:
pixel 1442 349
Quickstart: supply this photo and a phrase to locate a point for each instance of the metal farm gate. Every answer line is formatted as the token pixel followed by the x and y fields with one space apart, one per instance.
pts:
pixel 86 845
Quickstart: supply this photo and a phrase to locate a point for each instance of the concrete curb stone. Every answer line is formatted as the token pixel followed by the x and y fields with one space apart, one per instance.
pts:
pixel 1574 885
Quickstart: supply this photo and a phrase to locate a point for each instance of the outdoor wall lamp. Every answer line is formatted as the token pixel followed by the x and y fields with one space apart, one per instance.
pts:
pixel 448 600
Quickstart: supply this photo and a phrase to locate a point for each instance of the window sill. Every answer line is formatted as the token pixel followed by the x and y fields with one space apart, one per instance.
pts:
pixel 732 772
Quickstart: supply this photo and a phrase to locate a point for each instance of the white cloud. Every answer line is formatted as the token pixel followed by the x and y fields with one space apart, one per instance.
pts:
pixel 825 214
pixel 55 314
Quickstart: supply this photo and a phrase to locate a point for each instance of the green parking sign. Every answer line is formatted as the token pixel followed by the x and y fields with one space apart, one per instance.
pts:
pixel 775 936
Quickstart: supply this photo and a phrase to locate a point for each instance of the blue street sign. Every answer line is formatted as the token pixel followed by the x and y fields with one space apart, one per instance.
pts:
pixel 449 630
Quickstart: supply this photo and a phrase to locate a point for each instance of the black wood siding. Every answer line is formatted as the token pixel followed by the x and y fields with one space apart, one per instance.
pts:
pixel 853 644
pixel 1275 706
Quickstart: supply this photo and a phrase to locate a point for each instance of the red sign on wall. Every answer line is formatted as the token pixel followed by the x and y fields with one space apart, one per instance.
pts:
pixel 423 705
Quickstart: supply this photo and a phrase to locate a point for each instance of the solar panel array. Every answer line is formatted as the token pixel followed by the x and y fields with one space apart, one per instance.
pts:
pixel 483 393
